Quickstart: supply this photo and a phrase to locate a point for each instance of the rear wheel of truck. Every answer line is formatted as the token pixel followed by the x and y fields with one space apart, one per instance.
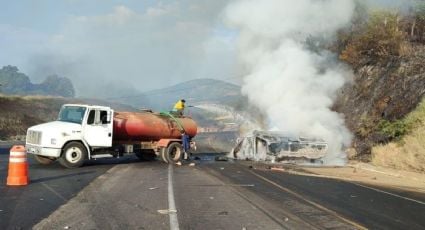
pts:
pixel 44 160
pixel 174 152
pixel 145 154
pixel 73 155
pixel 163 154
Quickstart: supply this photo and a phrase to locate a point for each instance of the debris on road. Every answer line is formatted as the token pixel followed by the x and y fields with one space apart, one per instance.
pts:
pixel 223 213
pixel 277 169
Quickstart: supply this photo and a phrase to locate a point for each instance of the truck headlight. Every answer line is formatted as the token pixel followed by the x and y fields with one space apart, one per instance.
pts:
pixel 53 141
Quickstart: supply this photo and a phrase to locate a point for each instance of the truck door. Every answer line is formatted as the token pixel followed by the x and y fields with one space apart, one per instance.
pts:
pixel 98 128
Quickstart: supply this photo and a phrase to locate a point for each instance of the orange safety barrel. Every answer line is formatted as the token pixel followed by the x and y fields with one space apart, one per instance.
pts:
pixel 18 166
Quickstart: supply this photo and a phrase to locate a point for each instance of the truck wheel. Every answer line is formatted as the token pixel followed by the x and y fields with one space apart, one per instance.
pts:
pixel 73 155
pixel 174 152
pixel 163 154
pixel 44 160
pixel 145 154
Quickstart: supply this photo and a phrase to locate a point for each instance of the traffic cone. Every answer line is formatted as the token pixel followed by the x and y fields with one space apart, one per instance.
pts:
pixel 18 166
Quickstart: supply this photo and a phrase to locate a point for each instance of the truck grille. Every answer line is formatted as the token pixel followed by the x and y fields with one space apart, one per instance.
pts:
pixel 34 137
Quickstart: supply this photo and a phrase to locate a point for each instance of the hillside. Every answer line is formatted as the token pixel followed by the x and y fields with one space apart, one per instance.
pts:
pixel 217 104
pixel 194 92
pixel 386 50
pixel 380 94
pixel 406 153
pixel 17 113
pixel 218 100
pixel 16 83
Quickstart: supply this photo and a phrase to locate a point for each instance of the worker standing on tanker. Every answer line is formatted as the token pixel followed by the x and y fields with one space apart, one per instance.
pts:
pixel 179 107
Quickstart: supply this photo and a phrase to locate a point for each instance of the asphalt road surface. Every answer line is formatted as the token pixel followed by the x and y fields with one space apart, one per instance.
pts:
pixel 128 194
pixel 50 186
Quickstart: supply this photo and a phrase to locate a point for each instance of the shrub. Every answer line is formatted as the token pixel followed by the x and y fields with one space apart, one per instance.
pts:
pixel 408 151
pixel 393 129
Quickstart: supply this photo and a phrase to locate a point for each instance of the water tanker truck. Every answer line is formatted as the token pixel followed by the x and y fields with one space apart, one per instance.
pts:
pixel 90 132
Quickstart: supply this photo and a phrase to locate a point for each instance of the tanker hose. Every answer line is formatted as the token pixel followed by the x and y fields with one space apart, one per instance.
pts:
pixel 168 114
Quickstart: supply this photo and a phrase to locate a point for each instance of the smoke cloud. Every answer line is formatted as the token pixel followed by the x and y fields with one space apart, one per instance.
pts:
pixel 292 84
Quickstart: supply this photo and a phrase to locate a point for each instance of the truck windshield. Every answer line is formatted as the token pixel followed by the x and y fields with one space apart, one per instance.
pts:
pixel 74 114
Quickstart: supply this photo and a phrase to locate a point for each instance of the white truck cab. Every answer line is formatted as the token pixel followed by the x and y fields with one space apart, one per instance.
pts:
pixel 78 130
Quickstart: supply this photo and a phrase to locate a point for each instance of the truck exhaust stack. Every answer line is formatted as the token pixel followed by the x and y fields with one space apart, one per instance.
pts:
pixel 278 147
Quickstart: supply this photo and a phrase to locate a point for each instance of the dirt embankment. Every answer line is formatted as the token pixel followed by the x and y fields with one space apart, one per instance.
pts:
pixel 381 91
pixel 17 113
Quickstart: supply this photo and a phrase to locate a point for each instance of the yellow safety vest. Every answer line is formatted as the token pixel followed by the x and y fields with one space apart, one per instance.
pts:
pixel 179 105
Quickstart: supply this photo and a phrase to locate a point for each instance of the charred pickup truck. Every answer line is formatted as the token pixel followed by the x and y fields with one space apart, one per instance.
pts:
pixel 279 147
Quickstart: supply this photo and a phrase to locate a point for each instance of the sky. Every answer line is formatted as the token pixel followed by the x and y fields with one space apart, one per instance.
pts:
pixel 114 48
pixel 117 48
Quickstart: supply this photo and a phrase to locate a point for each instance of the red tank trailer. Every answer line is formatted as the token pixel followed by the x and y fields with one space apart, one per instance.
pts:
pixel 159 132
pixel 147 126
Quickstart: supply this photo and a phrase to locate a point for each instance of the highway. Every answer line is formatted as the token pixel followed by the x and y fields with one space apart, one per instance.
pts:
pixel 128 194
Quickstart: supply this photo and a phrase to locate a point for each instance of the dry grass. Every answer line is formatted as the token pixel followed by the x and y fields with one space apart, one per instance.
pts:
pixel 406 49
pixel 17 113
pixel 29 97
pixel 409 153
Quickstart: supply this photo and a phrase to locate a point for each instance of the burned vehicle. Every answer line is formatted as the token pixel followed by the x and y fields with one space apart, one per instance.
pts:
pixel 279 147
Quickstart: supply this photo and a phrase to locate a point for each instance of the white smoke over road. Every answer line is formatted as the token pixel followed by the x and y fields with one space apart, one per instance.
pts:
pixel 293 85
pixel 242 119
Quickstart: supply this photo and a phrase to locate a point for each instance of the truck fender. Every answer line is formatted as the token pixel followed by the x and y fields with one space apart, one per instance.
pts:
pixel 88 149
pixel 165 142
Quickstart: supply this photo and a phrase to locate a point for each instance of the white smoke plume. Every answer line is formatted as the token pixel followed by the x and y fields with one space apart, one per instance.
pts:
pixel 242 119
pixel 293 85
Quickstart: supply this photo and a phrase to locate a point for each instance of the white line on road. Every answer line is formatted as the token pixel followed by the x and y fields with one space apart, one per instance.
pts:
pixel 389 193
pixel 317 205
pixel 174 223
pixel 53 191
pixel 352 181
